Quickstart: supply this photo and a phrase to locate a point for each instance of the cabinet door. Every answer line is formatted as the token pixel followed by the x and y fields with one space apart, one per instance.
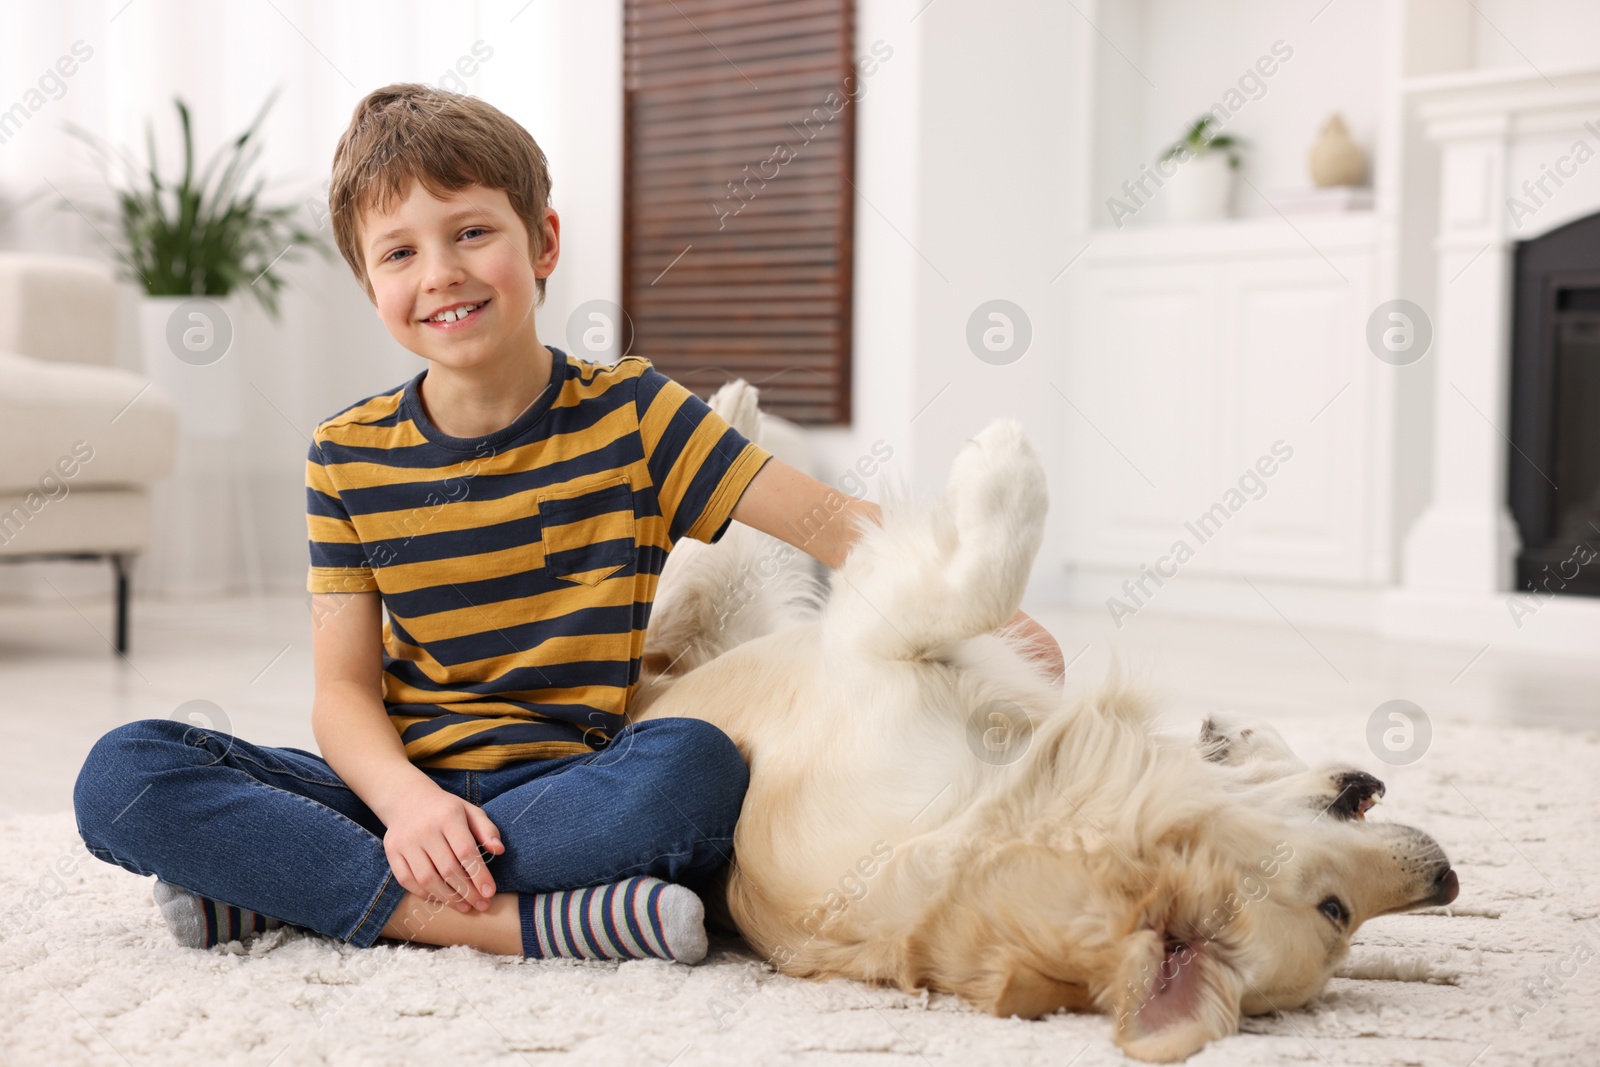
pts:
pixel 1293 358
pixel 1139 395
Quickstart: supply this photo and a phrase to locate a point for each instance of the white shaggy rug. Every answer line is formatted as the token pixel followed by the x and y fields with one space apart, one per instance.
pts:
pixel 1509 974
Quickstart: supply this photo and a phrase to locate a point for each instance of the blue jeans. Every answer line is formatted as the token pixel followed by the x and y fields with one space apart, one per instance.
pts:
pixel 275 831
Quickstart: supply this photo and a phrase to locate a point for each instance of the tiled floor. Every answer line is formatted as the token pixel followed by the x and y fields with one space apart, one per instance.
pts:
pixel 62 685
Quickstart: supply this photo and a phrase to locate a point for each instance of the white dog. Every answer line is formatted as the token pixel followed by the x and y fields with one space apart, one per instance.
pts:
pixel 925 809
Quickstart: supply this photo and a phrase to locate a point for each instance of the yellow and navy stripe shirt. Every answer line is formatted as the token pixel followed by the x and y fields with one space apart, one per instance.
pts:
pixel 517 569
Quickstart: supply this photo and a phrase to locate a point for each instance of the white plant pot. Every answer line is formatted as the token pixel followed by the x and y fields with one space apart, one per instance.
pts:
pixel 203 536
pixel 194 354
pixel 1200 190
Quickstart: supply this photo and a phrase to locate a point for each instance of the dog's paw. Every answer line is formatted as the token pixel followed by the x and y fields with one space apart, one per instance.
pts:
pixel 1238 742
pixel 1218 738
pixel 737 403
pixel 996 484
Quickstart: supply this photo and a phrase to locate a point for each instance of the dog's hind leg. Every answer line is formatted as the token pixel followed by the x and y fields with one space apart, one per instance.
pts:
pixel 931 578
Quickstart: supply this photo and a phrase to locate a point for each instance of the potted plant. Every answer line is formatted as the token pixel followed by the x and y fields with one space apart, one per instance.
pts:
pixel 1202 186
pixel 199 254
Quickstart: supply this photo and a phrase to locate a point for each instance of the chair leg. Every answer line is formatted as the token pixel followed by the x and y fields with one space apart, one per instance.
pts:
pixel 119 563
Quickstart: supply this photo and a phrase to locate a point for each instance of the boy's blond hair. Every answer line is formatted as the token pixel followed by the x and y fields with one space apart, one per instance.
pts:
pixel 444 140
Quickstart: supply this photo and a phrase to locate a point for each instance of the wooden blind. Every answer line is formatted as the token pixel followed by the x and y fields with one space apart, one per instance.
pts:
pixel 739 159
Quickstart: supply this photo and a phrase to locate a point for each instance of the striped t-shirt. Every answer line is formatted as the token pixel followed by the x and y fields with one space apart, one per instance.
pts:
pixel 517 569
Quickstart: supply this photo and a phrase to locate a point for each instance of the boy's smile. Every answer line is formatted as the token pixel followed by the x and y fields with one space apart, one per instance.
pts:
pixel 430 256
pixel 458 316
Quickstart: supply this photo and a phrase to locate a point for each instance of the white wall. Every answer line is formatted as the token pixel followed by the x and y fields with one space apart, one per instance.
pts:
pixel 999 217
pixel 1547 35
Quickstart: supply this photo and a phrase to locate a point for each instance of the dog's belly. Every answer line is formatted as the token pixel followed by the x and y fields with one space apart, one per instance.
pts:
pixel 850 761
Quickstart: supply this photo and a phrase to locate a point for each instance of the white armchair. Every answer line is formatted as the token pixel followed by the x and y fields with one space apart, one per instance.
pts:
pixel 81 441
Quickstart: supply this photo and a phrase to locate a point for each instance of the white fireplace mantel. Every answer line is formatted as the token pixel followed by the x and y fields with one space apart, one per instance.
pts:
pixel 1493 133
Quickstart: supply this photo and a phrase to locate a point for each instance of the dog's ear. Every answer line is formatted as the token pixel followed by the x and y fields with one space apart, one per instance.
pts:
pixel 1173 998
pixel 1029 993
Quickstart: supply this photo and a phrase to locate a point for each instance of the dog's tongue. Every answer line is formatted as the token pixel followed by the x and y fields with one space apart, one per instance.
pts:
pixel 1177 989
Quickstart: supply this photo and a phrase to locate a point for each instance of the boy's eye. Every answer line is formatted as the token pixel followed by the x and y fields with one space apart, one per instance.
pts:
pixel 469 229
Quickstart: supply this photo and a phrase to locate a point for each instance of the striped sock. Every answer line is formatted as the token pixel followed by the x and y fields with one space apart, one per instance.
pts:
pixel 628 920
pixel 199 922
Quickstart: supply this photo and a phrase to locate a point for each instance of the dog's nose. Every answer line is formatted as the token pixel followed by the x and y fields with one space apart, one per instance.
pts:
pixel 1446 886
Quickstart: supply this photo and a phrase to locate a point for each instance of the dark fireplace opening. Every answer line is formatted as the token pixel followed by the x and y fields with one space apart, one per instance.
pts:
pixel 1553 470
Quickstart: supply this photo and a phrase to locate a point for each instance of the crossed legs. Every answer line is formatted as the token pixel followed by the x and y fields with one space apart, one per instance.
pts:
pixel 274 830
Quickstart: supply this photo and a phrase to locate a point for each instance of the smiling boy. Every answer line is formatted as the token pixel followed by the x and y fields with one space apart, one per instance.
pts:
pixel 509 509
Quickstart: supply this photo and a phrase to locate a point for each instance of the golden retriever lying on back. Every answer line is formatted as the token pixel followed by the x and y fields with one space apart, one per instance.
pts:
pixel 926 810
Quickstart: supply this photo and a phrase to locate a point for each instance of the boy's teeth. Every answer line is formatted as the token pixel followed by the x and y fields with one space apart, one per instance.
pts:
pixel 455 313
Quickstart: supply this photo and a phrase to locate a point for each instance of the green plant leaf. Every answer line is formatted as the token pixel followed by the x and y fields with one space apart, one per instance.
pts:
pixel 1198 141
pixel 186 238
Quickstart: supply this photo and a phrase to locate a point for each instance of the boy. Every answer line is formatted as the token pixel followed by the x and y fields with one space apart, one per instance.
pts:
pixel 510 508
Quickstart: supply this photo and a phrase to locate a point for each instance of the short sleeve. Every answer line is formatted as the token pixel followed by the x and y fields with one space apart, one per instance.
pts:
pixel 339 561
pixel 698 463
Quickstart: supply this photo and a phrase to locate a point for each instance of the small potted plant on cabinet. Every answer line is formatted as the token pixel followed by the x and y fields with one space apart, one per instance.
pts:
pixel 1203 185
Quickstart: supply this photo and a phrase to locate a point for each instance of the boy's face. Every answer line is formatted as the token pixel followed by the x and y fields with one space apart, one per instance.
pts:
pixel 468 249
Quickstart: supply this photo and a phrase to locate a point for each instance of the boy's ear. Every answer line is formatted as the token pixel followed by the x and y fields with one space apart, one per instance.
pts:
pixel 549 243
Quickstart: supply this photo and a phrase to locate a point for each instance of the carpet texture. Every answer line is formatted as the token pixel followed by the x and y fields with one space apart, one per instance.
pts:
pixel 1508 974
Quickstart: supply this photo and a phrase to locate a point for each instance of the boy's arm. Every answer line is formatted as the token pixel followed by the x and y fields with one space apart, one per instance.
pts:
pixel 347 713
pixel 782 501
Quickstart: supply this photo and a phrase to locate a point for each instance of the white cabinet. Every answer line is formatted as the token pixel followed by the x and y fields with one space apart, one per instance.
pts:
pixel 1197 353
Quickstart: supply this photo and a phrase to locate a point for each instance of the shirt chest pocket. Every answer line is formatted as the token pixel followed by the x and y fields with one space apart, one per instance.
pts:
pixel 588 530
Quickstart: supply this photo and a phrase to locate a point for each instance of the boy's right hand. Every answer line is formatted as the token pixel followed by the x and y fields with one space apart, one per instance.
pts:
pixel 432 845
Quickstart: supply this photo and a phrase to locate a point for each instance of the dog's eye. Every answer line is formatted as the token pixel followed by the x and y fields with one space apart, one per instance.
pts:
pixel 1334 909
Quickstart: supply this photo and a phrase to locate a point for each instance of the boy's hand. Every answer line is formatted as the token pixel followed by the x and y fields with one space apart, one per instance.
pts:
pixel 1043 647
pixel 432 845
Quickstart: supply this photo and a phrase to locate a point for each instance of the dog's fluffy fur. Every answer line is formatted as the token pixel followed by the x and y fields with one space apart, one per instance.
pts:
pixel 925 809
